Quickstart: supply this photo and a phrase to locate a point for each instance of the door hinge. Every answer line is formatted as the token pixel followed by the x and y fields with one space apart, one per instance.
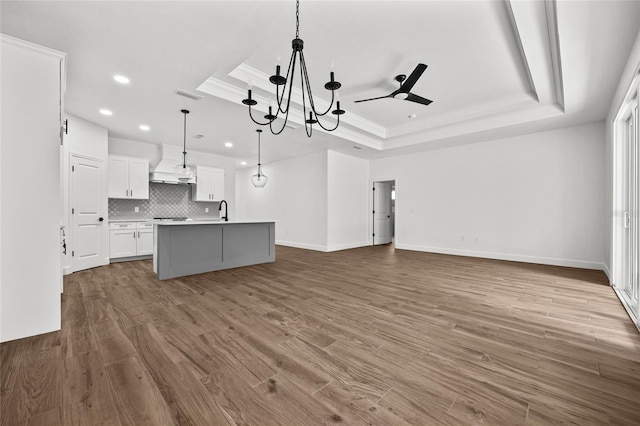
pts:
pixel 374 235
pixel 374 212
pixel 73 253
pixel 66 127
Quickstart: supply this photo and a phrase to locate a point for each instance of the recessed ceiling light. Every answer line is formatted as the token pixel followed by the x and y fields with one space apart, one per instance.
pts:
pixel 121 79
pixel 228 144
pixel 105 112
pixel 243 163
pixel 144 127
pixel 412 116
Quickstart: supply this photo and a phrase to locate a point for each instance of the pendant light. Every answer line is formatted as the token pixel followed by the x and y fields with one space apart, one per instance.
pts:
pixel 259 180
pixel 184 172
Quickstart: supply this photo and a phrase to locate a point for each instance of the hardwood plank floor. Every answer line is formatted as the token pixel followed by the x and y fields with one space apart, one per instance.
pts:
pixel 364 336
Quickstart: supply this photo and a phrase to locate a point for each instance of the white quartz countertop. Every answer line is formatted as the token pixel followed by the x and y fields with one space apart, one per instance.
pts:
pixel 208 222
pixel 130 220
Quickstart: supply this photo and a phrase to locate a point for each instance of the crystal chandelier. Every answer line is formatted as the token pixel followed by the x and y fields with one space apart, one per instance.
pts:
pixel 259 180
pixel 284 85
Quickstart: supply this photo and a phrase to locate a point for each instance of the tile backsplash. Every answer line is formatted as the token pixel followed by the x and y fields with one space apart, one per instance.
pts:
pixel 165 200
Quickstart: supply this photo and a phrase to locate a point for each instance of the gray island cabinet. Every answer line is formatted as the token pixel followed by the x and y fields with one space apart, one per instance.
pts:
pixel 194 247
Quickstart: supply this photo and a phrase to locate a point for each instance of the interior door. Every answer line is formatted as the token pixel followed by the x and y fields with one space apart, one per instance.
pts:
pixel 87 219
pixel 631 236
pixel 382 213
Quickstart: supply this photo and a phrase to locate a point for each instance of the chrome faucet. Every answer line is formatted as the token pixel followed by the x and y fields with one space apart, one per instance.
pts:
pixel 226 210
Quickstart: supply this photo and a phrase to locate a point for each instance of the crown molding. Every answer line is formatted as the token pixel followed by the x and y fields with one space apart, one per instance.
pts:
pixel 12 41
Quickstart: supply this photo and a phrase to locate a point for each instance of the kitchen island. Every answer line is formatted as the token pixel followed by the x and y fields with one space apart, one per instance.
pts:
pixel 193 247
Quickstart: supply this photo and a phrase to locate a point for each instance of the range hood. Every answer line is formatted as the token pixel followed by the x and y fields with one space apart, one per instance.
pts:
pixel 164 172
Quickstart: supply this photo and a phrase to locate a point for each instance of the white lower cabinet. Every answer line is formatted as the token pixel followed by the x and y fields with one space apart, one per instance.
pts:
pixel 130 239
pixel 145 239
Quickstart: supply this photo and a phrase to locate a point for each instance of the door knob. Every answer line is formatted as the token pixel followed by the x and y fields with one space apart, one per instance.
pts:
pixel 100 219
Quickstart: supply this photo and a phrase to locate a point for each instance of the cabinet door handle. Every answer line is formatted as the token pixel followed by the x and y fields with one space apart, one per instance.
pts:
pixel 131 191
pixel 138 234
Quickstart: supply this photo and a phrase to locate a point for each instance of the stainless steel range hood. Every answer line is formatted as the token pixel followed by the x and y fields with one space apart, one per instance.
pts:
pixel 164 172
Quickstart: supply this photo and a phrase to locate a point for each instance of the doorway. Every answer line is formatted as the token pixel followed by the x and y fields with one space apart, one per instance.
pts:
pixel 626 223
pixel 383 219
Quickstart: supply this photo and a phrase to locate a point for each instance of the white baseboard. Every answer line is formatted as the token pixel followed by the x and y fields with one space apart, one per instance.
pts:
pixel 325 249
pixel 301 245
pixel 506 256
pixel 347 246
pixel 605 268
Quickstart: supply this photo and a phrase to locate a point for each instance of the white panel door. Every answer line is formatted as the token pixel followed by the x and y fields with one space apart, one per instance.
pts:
pixel 631 236
pixel 382 213
pixel 138 179
pixel 87 219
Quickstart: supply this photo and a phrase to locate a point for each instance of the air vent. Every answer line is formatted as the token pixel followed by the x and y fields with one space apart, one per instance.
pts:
pixel 189 95
pixel 198 136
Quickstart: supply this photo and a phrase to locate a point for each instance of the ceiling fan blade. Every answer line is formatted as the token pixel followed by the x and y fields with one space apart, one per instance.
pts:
pixel 418 99
pixel 413 78
pixel 373 99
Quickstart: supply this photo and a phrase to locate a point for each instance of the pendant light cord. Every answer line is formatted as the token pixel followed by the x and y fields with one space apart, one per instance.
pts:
pixel 297 18
pixel 184 138
pixel 259 170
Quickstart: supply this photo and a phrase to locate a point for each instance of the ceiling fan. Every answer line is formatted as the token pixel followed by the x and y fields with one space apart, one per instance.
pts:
pixel 406 84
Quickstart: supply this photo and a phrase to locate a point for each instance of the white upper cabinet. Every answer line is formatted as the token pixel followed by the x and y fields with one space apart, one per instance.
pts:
pixel 128 177
pixel 209 184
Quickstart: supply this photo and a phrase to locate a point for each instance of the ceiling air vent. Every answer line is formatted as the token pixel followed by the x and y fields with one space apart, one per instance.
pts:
pixel 189 95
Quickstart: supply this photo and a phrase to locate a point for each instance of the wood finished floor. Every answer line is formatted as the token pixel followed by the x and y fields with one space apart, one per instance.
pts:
pixel 363 336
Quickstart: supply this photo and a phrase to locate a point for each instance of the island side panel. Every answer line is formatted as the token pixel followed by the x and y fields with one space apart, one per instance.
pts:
pixel 187 250
pixel 248 244
pixel 196 248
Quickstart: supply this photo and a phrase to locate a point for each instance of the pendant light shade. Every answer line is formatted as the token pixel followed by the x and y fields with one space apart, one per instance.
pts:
pixel 184 172
pixel 259 179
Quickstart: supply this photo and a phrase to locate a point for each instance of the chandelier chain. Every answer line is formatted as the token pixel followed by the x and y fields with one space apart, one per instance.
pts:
pixel 297 18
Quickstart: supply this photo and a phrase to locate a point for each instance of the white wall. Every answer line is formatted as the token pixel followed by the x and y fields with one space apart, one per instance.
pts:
pixel 613 219
pixel 295 196
pixel 534 198
pixel 30 198
pixel 153 153
pixel 87 139
pixel 347 201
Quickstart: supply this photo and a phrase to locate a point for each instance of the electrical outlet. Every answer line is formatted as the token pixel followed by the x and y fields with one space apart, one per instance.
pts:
pixel 136 209
pixel 461 237
pixel 477 239
pixel 206 209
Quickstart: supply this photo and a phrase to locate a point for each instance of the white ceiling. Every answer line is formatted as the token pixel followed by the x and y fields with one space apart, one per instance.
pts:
pixel 495 68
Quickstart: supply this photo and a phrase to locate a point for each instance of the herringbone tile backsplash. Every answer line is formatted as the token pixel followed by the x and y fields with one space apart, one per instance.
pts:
pixel 164 201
